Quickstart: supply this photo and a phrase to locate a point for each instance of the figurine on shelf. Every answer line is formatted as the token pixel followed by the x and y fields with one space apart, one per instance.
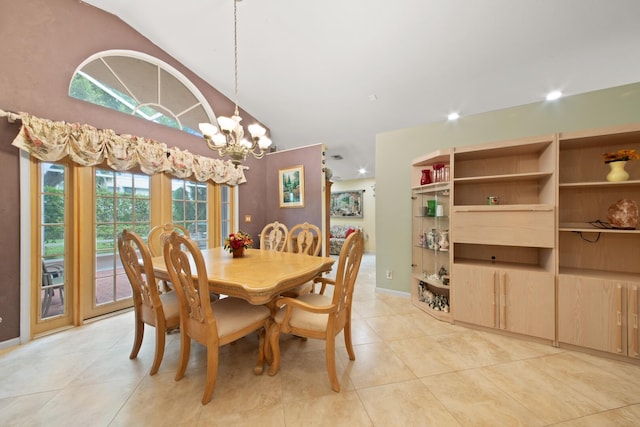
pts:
pixel 423 241
pixel 432 239
pixel 443 243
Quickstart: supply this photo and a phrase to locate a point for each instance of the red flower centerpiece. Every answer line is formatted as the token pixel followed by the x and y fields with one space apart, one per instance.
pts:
pixel 236 243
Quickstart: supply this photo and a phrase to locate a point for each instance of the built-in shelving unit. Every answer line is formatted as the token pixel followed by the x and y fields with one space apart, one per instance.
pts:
pixel 503 222
pixel 532 250
pixel 430 278
pixel 599 272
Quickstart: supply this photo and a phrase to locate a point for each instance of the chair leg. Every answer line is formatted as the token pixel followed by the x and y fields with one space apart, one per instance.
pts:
pixel 212 373
pixel 347 341
pixel 157 358
pixel 330 348
pixel 137 340
pixel 274 348
pixel 261 351
pixel 185 350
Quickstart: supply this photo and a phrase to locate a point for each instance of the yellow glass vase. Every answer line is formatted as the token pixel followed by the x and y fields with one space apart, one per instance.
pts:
pixel 617 172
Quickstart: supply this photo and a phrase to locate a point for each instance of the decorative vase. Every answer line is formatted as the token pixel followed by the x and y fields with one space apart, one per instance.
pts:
pixel 238 253
pixel 617 172
pixel 426 177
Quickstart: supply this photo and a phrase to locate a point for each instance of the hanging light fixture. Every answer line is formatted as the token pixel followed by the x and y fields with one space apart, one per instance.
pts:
pixel 228 137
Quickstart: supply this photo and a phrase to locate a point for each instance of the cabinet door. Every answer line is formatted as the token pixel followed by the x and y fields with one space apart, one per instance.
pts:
pixel 474 295
pixel 590 313
pixel 633 332
pixel 527 302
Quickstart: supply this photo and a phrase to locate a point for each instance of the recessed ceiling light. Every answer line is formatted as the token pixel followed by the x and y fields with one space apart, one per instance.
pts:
pixel 453 116
pixel 553 95
pixel 362 171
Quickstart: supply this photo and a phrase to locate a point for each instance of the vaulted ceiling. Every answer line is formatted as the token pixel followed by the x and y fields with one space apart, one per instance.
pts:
pixel 340 71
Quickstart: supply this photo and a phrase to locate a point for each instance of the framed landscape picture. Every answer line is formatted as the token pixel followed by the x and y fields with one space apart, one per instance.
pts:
pixel 291 187
pixel 346 203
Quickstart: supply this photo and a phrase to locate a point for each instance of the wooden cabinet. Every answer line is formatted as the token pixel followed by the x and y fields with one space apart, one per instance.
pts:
pixel 503 235
pixel 517 300
pixel 430 278
pixel 598 265
pixel 599 313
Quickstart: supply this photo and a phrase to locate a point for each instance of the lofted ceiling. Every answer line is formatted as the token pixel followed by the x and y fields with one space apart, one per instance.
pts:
pixel 338 72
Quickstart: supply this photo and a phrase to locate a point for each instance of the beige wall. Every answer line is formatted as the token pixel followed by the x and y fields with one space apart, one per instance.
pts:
pixel 368 221
pixel 614 106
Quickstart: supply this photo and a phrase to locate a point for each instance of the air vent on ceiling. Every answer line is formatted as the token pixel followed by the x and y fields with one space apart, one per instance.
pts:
pixel 337 157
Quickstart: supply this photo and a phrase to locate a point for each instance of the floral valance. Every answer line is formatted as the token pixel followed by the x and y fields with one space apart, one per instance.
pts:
pixel 50 141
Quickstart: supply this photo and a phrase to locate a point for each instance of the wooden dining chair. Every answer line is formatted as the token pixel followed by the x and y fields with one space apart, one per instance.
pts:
pixel 155 240
pixel 210 324
pixel 157 234
pixel 150 307
pixel 304 239
pixel 273 237
pixel 320 316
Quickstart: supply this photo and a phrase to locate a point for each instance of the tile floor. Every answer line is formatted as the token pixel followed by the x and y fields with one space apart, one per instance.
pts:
pixel 410 370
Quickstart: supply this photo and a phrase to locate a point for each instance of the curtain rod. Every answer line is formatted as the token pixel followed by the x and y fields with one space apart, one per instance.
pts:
pixel 11 117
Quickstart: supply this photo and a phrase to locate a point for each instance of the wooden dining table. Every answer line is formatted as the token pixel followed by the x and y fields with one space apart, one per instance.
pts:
pixel 259 276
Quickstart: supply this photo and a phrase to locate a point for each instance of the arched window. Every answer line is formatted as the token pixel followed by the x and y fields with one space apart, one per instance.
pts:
pixel 139 84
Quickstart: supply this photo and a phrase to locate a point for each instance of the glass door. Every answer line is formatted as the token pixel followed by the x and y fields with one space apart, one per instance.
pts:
pixel 121 201
pixel 52 294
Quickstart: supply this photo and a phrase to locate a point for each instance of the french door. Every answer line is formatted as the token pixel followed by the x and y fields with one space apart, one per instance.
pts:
pixel 121 201
pixel 52 296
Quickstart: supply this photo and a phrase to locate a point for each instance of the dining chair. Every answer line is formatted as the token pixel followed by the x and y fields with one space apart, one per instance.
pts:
pixel 210 324
pixel 155 240
pixel 150 306
pixel 304 239
pixel 274 237
pixel 157 234
pixel 49 285
pixel 321 316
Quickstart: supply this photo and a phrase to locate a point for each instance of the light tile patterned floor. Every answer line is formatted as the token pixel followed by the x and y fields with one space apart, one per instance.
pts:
pixel 410 370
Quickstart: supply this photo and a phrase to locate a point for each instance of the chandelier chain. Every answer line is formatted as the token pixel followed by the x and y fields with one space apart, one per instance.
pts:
pixel 227 138
pixel 235 50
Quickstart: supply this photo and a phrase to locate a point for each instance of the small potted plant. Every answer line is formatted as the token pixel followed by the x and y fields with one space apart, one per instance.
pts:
pixel 237 242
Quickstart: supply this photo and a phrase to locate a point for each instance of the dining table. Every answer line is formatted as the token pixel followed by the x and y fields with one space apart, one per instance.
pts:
pixel 257 277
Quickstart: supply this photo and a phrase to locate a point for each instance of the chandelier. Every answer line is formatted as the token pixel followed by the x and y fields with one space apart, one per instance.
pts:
pixel 228 137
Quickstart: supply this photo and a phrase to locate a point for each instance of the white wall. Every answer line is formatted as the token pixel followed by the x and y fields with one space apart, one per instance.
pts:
pixel 368 222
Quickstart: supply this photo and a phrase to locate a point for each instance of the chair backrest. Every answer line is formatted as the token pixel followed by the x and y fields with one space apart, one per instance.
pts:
pixel 305 239
pixel 348 267
pixel 146 297
pixel 181 256
pixel 160 232
pixel 274 237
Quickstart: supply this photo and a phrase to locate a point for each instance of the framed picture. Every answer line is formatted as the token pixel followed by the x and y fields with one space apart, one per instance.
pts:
pixel 346 203
pixel 291 187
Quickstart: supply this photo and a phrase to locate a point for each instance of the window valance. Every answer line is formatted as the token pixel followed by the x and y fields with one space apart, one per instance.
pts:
pixel 50 141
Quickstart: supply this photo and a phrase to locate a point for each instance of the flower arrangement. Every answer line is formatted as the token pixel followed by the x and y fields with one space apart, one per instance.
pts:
pixel 620 156
pixel 238 240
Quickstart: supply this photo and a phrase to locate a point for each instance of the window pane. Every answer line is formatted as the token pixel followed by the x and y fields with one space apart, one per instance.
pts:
pixel 125 204
pixel 135 83
pixel 52 246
